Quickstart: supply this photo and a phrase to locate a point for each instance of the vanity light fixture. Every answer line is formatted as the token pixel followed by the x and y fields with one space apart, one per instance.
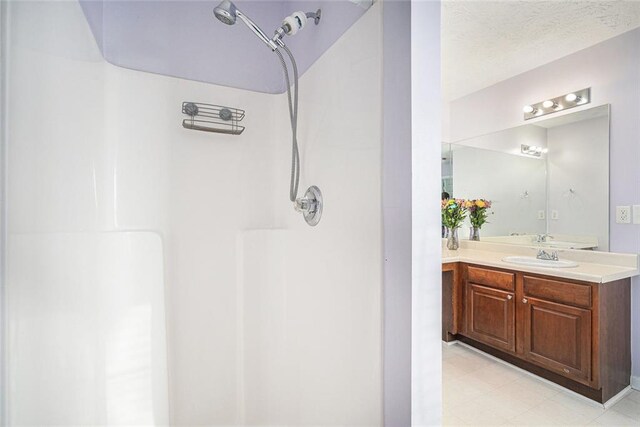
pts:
pixel 532 150
pixel 559 103
pixel 572 97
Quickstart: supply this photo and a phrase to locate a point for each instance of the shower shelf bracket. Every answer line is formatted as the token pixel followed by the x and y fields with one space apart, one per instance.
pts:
pixel 212 118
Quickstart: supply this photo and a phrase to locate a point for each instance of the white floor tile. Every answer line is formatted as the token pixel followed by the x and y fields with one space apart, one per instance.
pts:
pixel 478 391
pixel 589 409
pixel 628 407
pixel 504 405
pixel 532 417
pixel 476 413
pixel 634 395
pixel 613 418
pixel 496 375
pixel 565 414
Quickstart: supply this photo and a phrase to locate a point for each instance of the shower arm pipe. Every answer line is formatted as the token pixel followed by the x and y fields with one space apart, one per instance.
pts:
pixel 314 15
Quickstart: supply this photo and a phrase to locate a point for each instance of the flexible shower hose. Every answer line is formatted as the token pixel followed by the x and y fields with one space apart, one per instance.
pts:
pixel 293 114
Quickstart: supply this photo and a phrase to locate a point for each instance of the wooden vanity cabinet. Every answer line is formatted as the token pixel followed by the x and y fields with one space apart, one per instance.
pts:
pixel 574 333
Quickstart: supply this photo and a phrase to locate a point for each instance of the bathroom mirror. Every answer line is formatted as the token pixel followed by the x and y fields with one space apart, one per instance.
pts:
pixel 548 181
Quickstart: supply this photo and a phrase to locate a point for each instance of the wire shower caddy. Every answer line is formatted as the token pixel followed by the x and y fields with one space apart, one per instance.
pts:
pixel 212 118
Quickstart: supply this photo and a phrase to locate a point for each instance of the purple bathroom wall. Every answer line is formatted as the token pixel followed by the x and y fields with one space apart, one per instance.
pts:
pixel 396 202
pixel 184 39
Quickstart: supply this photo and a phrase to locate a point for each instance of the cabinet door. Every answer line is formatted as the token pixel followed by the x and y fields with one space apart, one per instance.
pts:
pixel 558 337
pixel 491 316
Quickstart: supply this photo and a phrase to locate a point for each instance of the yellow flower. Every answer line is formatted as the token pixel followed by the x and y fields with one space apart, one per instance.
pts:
pixel 468 204
pixel 480 204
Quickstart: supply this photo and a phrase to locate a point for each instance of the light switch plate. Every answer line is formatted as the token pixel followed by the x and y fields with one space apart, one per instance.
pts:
pixel 623 214
pixel 541 213
pixel 636 214
pixel 555 214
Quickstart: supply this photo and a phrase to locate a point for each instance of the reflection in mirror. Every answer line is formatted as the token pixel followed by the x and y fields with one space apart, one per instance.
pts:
pixel 556 195
pixel 447 170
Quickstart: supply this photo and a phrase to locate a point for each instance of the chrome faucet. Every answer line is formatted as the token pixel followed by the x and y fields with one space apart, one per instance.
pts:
pixel 542 254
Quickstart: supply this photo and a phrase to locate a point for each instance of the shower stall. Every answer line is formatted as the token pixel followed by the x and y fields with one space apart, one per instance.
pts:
pixel 158 275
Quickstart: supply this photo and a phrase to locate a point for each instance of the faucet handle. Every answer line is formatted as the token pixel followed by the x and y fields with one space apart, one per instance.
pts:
pixel 554 255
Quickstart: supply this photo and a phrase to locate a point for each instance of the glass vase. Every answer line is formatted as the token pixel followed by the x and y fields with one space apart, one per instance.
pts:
pixel 452 239
pixel 474 233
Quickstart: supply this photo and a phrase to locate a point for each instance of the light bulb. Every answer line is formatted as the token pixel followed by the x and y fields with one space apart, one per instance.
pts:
pixel 528 109
pixel 548 104
pixel 572 97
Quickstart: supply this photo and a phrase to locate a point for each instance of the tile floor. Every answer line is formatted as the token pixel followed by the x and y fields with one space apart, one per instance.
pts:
pixel 479 391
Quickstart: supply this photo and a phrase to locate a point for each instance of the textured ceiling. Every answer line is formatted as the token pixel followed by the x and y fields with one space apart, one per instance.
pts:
pixel 181 38
pixel 485 42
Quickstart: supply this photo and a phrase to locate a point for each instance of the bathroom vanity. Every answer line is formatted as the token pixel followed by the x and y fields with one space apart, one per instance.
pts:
pixel 571 326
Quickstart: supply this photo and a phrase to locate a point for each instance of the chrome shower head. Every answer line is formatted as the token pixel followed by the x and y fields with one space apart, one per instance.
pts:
pixel 226 12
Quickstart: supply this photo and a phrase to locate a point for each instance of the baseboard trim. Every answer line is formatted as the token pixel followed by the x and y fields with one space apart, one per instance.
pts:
pixel 635 383
pixel 618 397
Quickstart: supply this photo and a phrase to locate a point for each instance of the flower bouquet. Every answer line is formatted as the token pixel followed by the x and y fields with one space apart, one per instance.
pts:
pixel 453 214
pixel 477 215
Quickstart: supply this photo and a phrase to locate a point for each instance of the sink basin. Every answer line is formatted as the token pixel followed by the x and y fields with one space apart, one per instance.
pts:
pixel 535 262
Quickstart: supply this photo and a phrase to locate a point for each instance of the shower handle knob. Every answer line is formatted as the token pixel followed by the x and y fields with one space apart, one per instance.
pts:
pixel 305 205
pixel 310 205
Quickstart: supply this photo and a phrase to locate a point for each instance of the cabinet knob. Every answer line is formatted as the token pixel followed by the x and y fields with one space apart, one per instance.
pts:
pixel 509 296
pixel 524 300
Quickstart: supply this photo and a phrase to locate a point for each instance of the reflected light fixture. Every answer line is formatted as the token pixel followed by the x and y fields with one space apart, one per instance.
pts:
pixel 532 150
pixel 572 97
pixel 559 103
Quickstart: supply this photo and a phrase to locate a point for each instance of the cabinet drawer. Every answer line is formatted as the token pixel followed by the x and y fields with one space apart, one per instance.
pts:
pixel 491 278
pixel 557 291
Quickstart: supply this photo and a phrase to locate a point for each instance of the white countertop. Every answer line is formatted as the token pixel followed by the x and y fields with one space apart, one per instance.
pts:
pixel 593 266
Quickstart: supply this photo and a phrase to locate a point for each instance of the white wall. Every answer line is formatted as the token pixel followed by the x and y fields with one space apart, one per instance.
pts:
pixel 396 201
pixel 426 269
pixel 200 191
pixel 578 160
pixel 4 19
pixel 611 69
pixel 515 184
pixel 86 324
pixel 96 150
pixel 334 270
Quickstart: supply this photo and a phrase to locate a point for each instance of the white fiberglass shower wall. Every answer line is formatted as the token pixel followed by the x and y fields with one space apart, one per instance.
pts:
pixel 159 275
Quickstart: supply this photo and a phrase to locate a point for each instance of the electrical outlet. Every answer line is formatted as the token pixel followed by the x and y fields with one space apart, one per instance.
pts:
pixel 623 214
pixel 636 214
pixel 555 214
pixel 541 213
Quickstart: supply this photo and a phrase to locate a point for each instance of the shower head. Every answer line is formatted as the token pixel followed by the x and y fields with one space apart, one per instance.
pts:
pixel 227 12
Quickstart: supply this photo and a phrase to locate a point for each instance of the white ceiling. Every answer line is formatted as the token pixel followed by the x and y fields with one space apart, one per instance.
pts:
pixel 485 42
